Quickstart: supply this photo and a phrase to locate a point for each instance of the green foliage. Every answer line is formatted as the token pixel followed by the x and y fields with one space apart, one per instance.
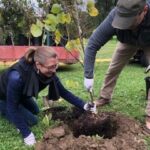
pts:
pixel 75 44
pixel 46 120
pixel 51 19
pixel 57 36
pixel 16 17
pixel 36 30
pixel 105 7
pixel 63 16
pixel 51 23
pixel 67 18
pixel 72 84
pixel 91 8
pixel 56 8
pixel 93 12
pixel 90 4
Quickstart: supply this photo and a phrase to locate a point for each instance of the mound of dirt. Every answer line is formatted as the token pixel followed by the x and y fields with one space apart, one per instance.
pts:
pixel 85 131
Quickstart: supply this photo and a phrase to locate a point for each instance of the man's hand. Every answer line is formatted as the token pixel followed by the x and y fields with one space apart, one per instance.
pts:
pixel 30 140
pixel 90 107
pixel 88 83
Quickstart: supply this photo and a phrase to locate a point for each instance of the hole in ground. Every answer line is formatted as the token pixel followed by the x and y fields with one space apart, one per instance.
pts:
pixel 82 123
pixel 91 125
pixel 64 114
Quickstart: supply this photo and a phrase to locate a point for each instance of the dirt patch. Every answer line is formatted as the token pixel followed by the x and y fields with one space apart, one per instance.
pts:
pixel 85 131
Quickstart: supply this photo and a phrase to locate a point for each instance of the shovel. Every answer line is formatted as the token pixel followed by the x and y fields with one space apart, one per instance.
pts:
pixel 147 80
pixel 147 69
pixel 91 97
pixel 92 100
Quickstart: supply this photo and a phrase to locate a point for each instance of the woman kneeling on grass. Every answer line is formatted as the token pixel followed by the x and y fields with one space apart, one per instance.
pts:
pixel 23 81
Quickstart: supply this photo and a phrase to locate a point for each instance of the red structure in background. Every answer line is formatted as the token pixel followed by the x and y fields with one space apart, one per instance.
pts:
pixel 13 53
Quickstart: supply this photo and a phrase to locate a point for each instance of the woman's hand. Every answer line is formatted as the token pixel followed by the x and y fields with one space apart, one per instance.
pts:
pixel 90 107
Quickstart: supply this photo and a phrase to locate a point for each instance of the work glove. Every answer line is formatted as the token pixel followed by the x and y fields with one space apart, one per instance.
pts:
pixel 88 83
pixel 30 140
pixel 147 69
pixel 90 107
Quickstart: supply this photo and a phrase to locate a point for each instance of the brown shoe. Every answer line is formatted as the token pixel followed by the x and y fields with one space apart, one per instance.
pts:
pixel 147 118
pixel 102 101
pixel 146 127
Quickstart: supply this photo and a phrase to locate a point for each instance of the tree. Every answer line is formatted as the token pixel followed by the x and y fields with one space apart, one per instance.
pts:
pixel 105 7
pixel 15 18
pixel 64 18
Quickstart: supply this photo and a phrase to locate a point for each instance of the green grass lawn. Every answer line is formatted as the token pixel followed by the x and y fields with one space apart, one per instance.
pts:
pixel 128 98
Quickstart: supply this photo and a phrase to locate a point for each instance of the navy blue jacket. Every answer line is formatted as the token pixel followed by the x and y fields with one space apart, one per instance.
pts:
pixel 105 31
pixel 14 95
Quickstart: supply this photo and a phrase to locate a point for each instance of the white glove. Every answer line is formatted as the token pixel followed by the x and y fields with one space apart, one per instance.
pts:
pixel 30 140
pixel 90 107
pixel 88 83
pixel 147 69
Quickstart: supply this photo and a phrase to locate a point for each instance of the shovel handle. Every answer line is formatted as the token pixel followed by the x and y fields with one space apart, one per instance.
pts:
pixel 91 96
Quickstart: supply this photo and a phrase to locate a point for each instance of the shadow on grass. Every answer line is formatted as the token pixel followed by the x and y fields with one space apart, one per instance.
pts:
pixel 67 68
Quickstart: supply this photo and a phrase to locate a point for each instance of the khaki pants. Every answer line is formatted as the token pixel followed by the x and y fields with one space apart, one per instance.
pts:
pixel 120 58
pixel 147 110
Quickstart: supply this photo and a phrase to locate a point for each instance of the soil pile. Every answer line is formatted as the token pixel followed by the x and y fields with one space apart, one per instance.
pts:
pixel 85 131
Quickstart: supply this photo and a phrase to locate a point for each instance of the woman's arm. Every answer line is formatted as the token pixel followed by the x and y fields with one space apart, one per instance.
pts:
pixel 69 96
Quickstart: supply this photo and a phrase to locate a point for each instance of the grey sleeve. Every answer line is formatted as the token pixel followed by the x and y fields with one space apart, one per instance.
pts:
pixel 99 37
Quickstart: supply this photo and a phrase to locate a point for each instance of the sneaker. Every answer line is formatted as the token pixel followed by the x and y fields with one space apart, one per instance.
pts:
pixel 102 101
pixel 18 131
